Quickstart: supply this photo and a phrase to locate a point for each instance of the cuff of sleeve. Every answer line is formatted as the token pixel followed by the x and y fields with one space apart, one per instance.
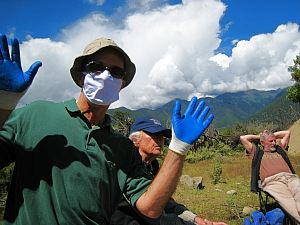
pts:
pixel 9 100
pixel 178 146
pixel 188 216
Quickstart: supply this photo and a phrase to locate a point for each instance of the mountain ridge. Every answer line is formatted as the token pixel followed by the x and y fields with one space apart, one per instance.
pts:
pixel 229 108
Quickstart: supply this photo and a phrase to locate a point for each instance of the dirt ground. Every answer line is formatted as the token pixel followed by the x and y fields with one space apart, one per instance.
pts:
pixel 295 138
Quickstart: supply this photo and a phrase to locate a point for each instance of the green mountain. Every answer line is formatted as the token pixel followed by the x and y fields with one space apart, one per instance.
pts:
pixel 229 108
pixel 281 112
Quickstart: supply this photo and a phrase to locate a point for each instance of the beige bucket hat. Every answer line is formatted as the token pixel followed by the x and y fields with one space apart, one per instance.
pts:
pixel 93 47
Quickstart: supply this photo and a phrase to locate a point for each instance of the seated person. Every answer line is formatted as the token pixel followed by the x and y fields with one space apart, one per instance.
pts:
pixel 272 165
pixel 148 135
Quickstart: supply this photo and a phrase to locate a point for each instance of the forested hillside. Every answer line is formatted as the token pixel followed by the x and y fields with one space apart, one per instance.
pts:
pixel 232 108
pixel 281 112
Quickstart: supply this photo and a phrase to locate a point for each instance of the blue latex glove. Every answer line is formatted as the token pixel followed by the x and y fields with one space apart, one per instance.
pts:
pixel 12 77
pixel 188 128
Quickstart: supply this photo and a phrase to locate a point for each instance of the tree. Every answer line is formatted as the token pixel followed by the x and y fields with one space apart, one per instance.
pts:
pixel 122 122
pixel 294 91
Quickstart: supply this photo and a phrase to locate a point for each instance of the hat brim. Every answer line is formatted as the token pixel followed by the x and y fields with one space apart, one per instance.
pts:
pixel 154 129
pixel 79 63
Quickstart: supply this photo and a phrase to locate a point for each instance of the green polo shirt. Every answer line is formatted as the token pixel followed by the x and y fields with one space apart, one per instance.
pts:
pixel 66 172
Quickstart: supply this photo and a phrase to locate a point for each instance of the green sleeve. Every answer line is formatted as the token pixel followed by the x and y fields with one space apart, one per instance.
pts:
pixel 8 135
pixel 138 180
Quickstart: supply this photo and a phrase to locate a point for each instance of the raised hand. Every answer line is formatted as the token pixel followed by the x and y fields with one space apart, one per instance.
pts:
pixel 12 77
pixel 188 128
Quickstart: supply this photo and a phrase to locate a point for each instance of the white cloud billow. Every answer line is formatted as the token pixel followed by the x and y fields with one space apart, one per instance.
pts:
pixel 173 48
pixel 97 2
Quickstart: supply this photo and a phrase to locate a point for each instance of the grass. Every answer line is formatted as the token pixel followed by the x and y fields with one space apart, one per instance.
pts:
pixel 212 202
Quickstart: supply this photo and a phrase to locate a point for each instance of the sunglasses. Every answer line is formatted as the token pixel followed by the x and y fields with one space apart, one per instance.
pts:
pixel 115 71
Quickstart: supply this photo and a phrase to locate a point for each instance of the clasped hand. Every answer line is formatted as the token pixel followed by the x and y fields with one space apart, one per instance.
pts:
pixel 12 77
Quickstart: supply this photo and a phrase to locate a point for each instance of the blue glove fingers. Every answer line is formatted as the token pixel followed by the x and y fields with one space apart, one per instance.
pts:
pixel 208 121
pixel 176 110
pixel 199 109
pixel 203 114
pixel 191 106
pixel 4 48
pixel 15 52
pixel 31 72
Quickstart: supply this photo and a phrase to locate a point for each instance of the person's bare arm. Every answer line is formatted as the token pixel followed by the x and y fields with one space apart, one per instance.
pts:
pixel 162 187
pixel 186 130
pixel 284 135
pixel 247 141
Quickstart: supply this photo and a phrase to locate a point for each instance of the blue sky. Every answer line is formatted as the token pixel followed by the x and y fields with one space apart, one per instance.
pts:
pixel 181 49
pixel 42 19
pixel 46 18
pixel 250 17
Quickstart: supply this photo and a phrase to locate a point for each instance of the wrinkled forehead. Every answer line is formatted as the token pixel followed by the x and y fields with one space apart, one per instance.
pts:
pixel 269 137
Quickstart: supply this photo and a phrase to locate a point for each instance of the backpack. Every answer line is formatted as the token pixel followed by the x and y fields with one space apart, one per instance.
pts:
pixel 256 218
pixel 273 217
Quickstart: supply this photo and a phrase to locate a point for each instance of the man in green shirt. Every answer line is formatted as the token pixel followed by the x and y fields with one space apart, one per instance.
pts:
pixel 70 166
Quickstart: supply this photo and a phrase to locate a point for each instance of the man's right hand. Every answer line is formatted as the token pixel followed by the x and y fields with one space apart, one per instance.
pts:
pixel 12 77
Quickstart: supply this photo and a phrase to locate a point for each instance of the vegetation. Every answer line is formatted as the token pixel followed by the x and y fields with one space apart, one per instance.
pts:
pixel 279 114
pixel 5 176
pixel 122 122
pixel 294 91
pixel 216 172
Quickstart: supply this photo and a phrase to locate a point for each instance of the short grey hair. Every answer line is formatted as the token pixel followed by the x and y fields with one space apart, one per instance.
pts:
pixel 265 135
pixel 135 136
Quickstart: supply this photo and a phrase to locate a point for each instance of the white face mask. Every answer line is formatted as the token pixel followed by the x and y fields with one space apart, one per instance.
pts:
pixel 101 88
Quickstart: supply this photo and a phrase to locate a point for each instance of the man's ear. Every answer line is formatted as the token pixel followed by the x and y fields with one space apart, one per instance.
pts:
pixel 136 141
pixel 137 144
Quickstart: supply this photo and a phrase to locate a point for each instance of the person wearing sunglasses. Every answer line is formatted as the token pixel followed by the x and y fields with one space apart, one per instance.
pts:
pixel 70 166
pixel 148 136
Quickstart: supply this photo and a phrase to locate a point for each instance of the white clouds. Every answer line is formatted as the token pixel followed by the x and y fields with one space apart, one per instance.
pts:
pixel 173 48
pixel 52 81
pixel 222 60
pixel 97 2
pixel 262 61
pixel 176 41
pixel 142 5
